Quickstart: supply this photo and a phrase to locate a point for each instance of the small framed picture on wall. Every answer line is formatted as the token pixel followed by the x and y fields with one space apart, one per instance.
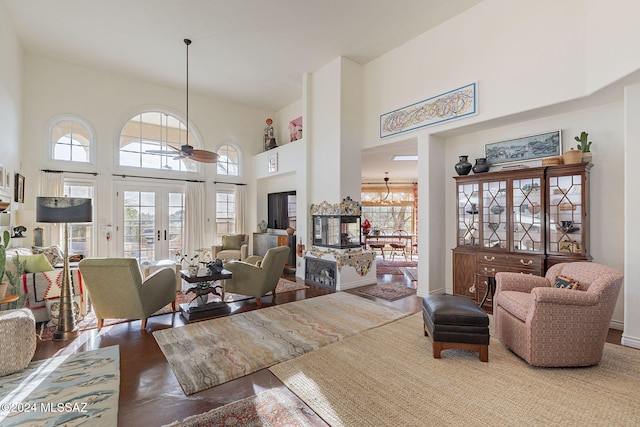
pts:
pixel 273 163
pixel 19 188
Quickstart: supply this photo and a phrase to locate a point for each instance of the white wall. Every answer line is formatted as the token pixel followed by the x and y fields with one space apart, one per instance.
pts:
pixel 522 54
pixel 10 103
pixel 106 100
pixel 282 119
pixel 525 56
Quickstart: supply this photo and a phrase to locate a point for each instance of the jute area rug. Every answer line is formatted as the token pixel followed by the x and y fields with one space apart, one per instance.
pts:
pixel 269 408
pixel 79 389
pixel 388 376
pixel 205 354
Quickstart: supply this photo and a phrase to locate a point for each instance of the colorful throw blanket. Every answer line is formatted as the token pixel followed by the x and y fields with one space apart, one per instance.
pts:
pixel 44 286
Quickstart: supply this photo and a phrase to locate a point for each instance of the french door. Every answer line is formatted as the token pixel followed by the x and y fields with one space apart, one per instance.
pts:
pixel 151 221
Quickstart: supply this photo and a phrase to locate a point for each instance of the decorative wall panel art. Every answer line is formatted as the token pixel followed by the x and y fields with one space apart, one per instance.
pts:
pixel 450 105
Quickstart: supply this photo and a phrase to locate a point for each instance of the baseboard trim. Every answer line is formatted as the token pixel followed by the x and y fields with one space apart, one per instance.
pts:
pixel 630 341
pixel 617 325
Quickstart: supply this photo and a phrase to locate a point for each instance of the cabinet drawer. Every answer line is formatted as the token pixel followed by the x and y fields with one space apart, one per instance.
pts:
pixel 511 260
pixel 492 257
pixel 490 269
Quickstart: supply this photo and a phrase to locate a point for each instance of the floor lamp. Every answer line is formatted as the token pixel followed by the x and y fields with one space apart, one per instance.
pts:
pixel 64 210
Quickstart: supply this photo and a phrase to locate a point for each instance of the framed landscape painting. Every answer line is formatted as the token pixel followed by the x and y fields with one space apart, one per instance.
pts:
pixel 524 149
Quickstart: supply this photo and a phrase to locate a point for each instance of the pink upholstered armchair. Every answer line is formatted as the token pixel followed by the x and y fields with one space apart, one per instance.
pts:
pixel 550 326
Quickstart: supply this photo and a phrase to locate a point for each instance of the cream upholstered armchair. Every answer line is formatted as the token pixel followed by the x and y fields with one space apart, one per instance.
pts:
pixel 551 326
pixel 117 291
pixel 257 275
pixel 234 246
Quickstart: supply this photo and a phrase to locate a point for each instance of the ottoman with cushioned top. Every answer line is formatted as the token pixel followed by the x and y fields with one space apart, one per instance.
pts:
pixel 456 322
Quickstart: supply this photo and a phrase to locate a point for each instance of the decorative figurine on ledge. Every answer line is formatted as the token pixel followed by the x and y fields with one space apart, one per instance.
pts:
pixel 17 232
pixel 269 136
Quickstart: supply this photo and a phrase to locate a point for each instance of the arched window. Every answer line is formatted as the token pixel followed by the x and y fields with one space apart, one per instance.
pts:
pixel 228 162
pixel 153 139
pixel 71 139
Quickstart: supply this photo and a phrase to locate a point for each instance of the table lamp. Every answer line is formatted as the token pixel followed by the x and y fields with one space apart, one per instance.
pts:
pixel 64 210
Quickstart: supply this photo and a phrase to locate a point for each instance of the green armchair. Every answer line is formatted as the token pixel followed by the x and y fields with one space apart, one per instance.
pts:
pixel 234 246
pixel 117 291
pixel 257 276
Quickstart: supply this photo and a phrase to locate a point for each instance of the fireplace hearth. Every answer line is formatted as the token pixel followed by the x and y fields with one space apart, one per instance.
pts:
pixel 320 272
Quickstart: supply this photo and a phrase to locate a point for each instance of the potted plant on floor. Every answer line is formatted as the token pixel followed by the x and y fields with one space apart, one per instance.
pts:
pixel 3 264
pixel 13 279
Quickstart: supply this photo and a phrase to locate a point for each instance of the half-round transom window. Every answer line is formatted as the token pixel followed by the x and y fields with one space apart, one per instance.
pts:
pixel 70 140
pixel 153 139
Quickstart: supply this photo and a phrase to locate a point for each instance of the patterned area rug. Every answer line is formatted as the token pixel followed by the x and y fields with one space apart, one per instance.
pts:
pixel 410 272
pixel 78 389
pixel 388 291
pixel 269 408
pixel 90 321
pixel 208 353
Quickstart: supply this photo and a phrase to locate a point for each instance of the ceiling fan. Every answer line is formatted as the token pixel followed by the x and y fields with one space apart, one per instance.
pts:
pixel 187 151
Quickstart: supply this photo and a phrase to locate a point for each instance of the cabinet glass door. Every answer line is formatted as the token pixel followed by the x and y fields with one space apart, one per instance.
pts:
pixel 528 215
pixel 565 214
pixel 494 214
pixel 468 214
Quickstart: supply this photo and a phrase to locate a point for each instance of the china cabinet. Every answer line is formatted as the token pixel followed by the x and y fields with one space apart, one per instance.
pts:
pixel 522 220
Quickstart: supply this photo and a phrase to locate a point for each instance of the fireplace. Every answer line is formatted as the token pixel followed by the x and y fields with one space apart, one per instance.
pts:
pixel 320 272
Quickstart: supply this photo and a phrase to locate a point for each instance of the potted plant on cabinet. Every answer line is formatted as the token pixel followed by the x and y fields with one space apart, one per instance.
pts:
pixel 584 146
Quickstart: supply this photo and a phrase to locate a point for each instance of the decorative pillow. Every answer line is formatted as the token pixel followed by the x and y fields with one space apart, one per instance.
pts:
pixel 232 241
pixel 564 282
pixel 53 310
pixel 76 258
pixel 36 263
pixel 53 253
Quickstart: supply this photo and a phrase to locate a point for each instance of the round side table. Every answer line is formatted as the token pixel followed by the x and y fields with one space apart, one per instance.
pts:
pixel 9 298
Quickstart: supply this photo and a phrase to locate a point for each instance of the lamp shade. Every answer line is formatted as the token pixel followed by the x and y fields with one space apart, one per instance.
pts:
pixel 63 209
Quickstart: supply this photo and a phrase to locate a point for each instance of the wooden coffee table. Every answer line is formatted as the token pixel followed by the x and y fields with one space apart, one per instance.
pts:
pixel 205 284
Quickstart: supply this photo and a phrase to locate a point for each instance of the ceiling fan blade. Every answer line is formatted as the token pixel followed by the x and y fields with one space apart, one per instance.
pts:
pixel 164 152
pixel 204 156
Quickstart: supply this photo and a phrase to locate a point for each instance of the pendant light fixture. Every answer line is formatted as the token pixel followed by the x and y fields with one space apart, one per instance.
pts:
pixel 386 183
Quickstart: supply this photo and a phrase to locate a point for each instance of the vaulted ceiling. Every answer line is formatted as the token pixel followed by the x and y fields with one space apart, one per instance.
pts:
pixel 247 51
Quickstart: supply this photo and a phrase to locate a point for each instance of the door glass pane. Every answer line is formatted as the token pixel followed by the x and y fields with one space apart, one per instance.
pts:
pixel 468 218
pixel 494 215
pixel 176 225
pixel 565 213
pixel 527 215
pixel 140 230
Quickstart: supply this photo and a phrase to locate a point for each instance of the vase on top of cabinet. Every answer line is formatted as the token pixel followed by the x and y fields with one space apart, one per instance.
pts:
pixel 525 221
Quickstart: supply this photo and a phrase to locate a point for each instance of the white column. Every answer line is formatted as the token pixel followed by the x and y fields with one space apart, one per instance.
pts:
pixel 631 286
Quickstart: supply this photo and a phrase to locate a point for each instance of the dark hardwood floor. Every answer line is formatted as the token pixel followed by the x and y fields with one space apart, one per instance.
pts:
pixel 149 392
